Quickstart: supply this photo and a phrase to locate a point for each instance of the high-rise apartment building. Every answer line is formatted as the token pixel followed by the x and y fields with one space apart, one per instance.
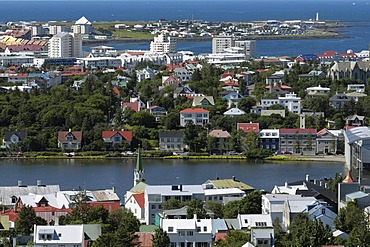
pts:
pixel 219 44
pixel 163 44
pixel 64 45
pixel 55 29
pixel 82 26
pixel 223 43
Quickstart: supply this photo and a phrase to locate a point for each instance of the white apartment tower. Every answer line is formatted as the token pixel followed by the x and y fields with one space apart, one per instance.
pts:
pixel 82 26
pixel 249 47
pixel 222 43
pixel 64 45
pixel 219 44
pixel 163 44
pixel 55 29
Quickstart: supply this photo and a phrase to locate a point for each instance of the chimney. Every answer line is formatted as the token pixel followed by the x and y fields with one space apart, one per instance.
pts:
pixel 233 177
pixel 326 185
pixel 38 182
pixel 20 183
pixel 307 178
pixel 180 187
pixel 69 130
pixel 321 183
pixel 114 189
pixel 314 181
pixel 286 184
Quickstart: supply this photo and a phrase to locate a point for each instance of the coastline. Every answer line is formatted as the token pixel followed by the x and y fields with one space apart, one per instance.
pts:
pixel 279 158
pixel 209 39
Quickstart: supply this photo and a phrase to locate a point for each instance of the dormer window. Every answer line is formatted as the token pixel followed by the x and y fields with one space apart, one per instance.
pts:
pixel 14 199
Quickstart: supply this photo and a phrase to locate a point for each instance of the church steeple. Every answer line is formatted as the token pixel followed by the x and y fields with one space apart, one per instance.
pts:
pixel 139 171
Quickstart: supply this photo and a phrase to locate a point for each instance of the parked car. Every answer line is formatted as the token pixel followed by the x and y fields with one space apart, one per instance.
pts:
pixel 234 153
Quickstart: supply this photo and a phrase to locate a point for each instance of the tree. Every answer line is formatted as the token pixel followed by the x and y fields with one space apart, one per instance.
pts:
pixel 246 103
pixel 26 219
pixel 195 207
pixel 304 232
pixel 216 208
pixel 171 204
pixel 333 183
pixel 252 140
pixel 122 227
pixel 250 204
pixel 143 118
pixel 309 142
pixel 235 238
pixel 349 217
pixel 160 238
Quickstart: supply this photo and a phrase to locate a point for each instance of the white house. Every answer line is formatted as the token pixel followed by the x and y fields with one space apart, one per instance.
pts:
pixel 135 203
pixel 317 90
pixel 66 235
pixel 321 211
pixel 188 232
pixel 248 221
pixel 273 204
pixel 145 74
pixel 198 116
pixel 291 102
pixel 234 112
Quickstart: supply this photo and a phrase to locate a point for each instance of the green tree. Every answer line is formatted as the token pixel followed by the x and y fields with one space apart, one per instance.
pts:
pixel 160 238
pixel 234 238
pixel 216 208
pixel 246 103
pixel 195 207
pixel 122 227
pixel 349 217
pixel 304 232
pixel 26 220
pixel 333 183
pixel 171 204
pixel 252 140
pixel 250 204
pixel 143 118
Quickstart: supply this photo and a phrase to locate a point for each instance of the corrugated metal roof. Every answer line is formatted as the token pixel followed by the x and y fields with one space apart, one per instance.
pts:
pixel 229 183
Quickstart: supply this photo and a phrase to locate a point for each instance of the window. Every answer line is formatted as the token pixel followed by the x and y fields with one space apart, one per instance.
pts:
pixel 14 199
pixel 152 215
pixel 204 228
pixel 246 221
pixel 323 210
pixel 170 229
pixel 181 233
pixel 59 234
pixel 189 233
pixel 153 206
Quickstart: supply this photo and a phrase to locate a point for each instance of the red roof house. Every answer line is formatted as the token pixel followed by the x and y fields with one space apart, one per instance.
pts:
pixel 135 106
pixel 249 127
pixel 69 139
pixel 117 136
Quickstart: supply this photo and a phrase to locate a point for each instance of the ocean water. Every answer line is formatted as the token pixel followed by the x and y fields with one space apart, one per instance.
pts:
pixel 355 11
pixel 216 10
pixel 358 38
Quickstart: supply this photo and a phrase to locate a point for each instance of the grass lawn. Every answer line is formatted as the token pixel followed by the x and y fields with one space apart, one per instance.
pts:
pixel 124 34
